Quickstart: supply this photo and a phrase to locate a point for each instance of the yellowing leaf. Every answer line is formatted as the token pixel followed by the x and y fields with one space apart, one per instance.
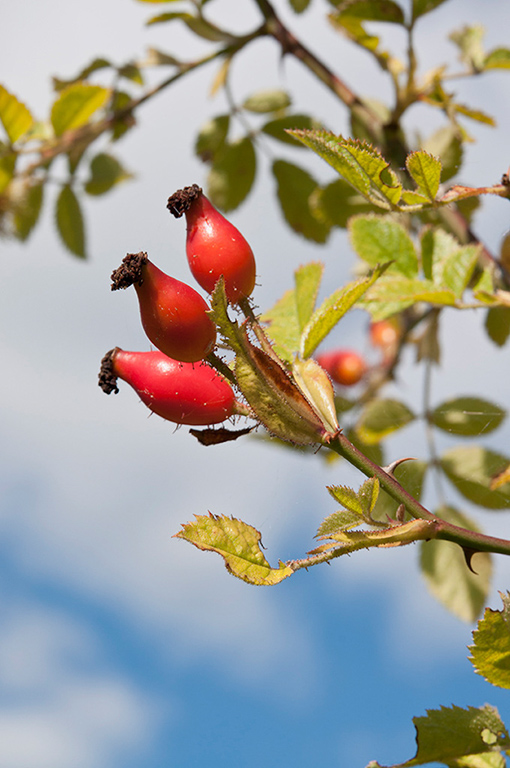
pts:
pixel 239 545
pixel 14 116
pixel 426 172
pixel 75 105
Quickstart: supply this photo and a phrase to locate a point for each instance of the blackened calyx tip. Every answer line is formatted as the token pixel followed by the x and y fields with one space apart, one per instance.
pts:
pixel 129 272
pixel 107 378
pixel 181 201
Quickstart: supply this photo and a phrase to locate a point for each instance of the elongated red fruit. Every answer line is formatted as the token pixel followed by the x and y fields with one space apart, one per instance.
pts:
pixel 214 247
pixel 174 316
pixel 184 393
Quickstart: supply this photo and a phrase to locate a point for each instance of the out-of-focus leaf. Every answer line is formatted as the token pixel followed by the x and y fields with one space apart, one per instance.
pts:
pixel 411 476
pixel 498 58
pixel 379 239
pixel 448 263
pixel 83 74
pixel 425 170
pixel 382 417
pixel 373 10
pixel 358 163
pixel 475 114
pixel 421 7
pixel 295 188
pixel 69 220
pixel 446 144
pixel 471 469
pixel 27 213
pixel 197 24
pixel 131 72
pixel 452 735
pixel 8 159
pixel 232 174
pixel 277 128
pixel 490 652
pixel 262 102
pixel 299 5
pixel 332 310
pixel 105 173
pixel 468 416
pixel 448 577
pixel 373 451
pixel 338 201
pixel 501 479
pixel 211 137
pixel 469 40
pixel 239 545
pixel 14 115
pixel 497 324
pixel 75 105
pixel 157 58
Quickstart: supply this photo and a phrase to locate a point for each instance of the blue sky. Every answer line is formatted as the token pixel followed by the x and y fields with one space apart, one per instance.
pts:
pixel 120 646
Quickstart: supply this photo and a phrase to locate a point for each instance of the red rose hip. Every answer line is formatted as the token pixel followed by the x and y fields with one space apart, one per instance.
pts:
pixel 184 393
pixel 174 316
pixel 345 366
pixel 214 247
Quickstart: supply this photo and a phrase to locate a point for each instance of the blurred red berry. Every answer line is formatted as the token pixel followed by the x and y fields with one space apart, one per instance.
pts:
pixel 384 334
pixel 214 247
pixel 184 393
pixel 345 366
pixel 174 316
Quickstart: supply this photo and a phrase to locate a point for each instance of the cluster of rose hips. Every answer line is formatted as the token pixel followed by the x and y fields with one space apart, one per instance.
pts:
pixel 177 382
pixel 180 381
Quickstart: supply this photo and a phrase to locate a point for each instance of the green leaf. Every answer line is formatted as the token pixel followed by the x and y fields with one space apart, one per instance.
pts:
pixel 69 221
pixel 373 10
pixel 75 105
pixel 292 312
pixel 14 115
pixel 467 416
pixel 498 58
pixel 380 239
pixel 421 7
pixel 299 5
pixel 426 172
pixel 94 66
pixel 445 143
pixel 471 469
pixel 411 476
pixel 448 263
pixel 197 24
pixel 295 187
pixel 450 734
pixel 332 310
pixel 497 324
pixel 342 520
pixel 348 498
pixel 382 417
pixel 475 114
pixel 490 653
pixel 459 268
pixel 277 128
pixel 338 201
pixel 131 72
pixel 392 294
pixel 263 102
pixel 105 173
pixel 447 575
pixel 358 163
pixel 212 137
pixel 27 213
pixel 232 174
pixel 374 451
pixel 239 545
